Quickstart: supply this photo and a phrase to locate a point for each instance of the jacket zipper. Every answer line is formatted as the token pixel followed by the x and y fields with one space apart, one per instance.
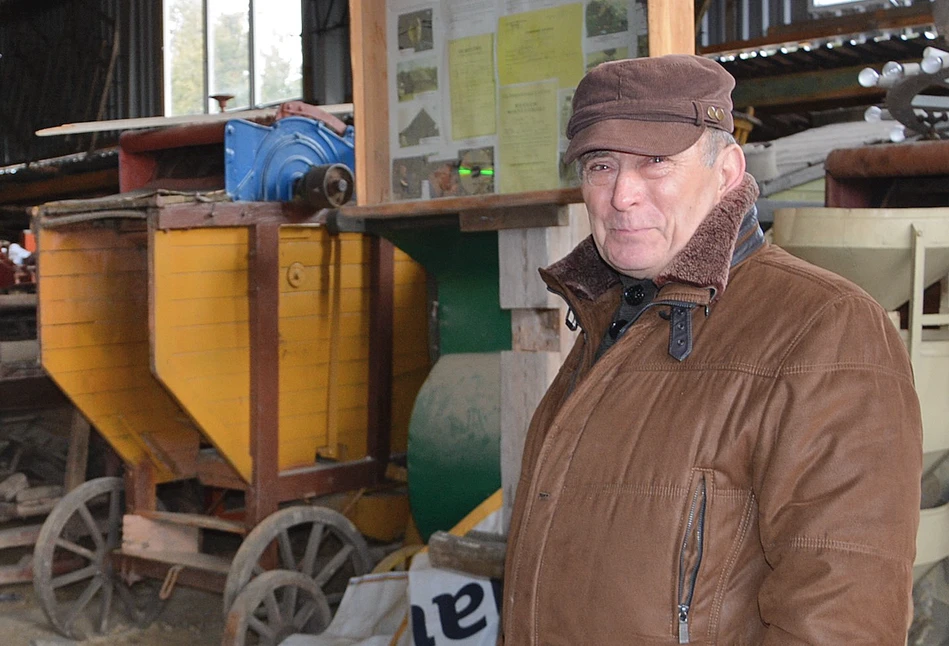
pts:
pixel 689 568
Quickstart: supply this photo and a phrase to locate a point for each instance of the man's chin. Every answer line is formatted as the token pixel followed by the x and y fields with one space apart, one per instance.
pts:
pixel 634 269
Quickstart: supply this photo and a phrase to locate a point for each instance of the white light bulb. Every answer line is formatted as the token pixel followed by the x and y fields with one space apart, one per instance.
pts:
pixel 892 67
pixel 898 134
pixel 868 77
pixel 932 64
pixel 873 114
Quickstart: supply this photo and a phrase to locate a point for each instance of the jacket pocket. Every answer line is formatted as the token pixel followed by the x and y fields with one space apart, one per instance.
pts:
pixel 690 554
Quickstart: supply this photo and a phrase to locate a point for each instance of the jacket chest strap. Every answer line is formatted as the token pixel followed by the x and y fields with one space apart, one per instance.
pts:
pixel 680 331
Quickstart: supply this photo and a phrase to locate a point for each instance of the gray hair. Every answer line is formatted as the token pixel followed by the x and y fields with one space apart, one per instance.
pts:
pixel 714 142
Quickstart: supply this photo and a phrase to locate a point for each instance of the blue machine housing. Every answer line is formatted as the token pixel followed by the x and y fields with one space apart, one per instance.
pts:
pixel 262 163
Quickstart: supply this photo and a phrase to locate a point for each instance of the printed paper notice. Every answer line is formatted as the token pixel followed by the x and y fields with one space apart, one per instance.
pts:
pixel 539 45
pixel 471 73
pixel 528 138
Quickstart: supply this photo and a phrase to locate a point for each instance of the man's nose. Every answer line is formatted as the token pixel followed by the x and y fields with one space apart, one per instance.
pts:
pixel 627 190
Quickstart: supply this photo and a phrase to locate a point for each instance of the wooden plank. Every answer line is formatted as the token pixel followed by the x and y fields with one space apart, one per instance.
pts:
pixel 917 15
pixel 525 377
pixel 164 122
pixel 454 205
pixel 14 302
pixel 470 554
pixel 325 479
pixel 13 485
pixel 200 521
pixel 263 276
pixel 379 422
pixel 142 534
pixel 520 253
pixel 199 572
pixel 532 215
pixel 140 487
pixel 196 561
pixel 367 20
pixel 670 32
pixel 237 214
pixel 536 330
pixel 45 189
pixel 78 456
pixel 792 91
pixel 214 471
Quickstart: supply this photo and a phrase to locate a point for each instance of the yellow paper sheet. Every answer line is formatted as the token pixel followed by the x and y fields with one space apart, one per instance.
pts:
pixel 542 44
pixel 528 137
pixel 471 72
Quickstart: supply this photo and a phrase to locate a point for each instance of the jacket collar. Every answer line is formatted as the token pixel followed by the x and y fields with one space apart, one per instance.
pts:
pixel 728 235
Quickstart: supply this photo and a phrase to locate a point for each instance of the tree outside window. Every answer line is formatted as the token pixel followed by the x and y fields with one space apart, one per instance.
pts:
pixel 250 50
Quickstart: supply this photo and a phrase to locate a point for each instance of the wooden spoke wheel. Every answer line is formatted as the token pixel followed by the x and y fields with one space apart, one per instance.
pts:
pixel 72 564
pixel 275 605
pixel 317 541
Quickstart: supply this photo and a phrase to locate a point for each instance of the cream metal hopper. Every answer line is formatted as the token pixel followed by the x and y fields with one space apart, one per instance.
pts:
pixel 893 254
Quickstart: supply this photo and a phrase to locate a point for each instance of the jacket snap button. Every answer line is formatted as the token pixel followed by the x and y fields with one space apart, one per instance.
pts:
pixel 634 295
pixel 615 328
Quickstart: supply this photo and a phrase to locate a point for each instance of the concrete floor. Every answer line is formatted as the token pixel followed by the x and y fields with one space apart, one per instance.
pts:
pixel 190 618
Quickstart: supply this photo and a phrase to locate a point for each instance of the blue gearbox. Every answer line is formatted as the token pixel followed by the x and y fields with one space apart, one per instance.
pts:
pixel 265 163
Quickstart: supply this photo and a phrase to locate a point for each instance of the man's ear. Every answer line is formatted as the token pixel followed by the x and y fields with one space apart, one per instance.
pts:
pixel 731 168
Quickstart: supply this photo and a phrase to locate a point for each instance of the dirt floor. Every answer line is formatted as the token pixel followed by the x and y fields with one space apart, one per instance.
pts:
pixel 190 618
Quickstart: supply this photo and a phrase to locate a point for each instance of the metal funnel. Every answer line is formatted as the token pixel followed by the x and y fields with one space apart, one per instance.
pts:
pixel 871 247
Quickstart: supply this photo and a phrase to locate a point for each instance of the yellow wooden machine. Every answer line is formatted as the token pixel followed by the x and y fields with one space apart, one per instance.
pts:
pixel 244 346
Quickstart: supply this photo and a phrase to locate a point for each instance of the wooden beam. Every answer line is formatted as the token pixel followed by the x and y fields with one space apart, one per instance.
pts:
pixel 668 32
pixel 78 457
pixel 803 88
pixel 264 273
pixel 100 181
pixel 918 15
pixel 381 285
pixel 456 205
pixel 367 19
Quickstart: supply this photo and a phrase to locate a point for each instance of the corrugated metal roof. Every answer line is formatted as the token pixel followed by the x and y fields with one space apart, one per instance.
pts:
pixel 827 53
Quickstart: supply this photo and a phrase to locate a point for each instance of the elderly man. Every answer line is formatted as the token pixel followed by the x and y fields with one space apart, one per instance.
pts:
pixel 731 453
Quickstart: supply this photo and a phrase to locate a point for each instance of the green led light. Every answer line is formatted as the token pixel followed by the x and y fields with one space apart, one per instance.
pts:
pixel 464 171
pixel 487 171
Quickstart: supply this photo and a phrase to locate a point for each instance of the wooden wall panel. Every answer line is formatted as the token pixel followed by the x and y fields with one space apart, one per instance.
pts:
pixel 94 331
pixel 202 350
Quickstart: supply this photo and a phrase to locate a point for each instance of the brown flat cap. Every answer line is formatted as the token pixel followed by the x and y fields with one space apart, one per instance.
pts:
pixel 649 106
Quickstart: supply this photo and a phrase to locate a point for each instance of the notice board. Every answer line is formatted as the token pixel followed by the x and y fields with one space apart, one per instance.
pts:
pixel 480 91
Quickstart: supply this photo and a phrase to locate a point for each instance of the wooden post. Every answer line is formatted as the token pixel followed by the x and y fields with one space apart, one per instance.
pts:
pixel 381 284
pixel 78 456
pixel 263 274
pixel 367 19
pixel 671 27
pixel 539 339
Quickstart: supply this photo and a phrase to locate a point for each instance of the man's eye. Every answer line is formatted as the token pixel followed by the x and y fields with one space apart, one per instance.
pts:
pixel 657 160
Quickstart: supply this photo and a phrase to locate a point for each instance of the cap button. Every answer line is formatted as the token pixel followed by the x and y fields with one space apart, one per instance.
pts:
pixel 711 113
pixel 719 114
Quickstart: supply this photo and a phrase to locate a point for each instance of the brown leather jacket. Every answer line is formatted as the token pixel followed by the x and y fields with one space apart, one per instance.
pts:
pixel 763 490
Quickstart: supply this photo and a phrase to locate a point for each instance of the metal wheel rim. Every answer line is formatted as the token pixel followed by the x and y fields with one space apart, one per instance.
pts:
pixel 323 522
pixel 275 605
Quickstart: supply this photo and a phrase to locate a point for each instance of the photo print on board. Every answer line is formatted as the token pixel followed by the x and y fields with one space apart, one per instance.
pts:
pixel 415 31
